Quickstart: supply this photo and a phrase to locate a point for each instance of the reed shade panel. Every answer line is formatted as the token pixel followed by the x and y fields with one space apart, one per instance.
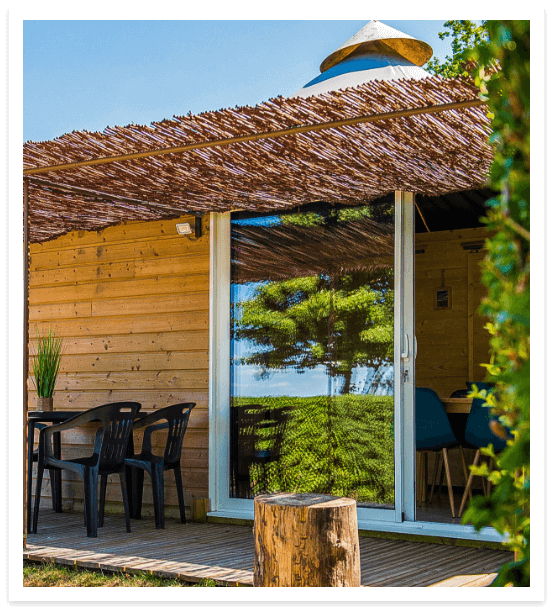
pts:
pixel 279 252
pixel 431 152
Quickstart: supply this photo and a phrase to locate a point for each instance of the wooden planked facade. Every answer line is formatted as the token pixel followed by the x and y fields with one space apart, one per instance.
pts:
pixel 132 305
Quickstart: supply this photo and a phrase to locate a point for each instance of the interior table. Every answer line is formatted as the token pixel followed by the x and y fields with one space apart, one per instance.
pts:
pixel 57 417
pixel 457 405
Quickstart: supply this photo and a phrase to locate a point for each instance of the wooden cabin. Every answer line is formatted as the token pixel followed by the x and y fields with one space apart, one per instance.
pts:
pixel 145 312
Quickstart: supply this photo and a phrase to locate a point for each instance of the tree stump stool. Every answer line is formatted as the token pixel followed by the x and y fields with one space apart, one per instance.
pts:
pixel 306 540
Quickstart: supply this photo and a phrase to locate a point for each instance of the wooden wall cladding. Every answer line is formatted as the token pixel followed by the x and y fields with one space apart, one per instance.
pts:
pixel 452 343
pixel 132 305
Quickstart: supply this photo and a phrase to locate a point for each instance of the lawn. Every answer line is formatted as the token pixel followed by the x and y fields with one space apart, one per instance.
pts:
pixel 56 575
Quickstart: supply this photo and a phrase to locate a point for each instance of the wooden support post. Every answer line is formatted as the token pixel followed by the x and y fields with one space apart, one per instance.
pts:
pixel 25 348
pixel 306 540
pixel 199 508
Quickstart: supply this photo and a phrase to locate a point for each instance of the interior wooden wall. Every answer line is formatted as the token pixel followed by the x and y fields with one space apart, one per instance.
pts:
pixel 132 305
pixel 452 343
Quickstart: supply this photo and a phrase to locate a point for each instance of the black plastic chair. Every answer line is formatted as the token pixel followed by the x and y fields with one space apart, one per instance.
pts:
pixel 244 424
pixel 108 457
pixel 269 437
pixel 34 458
pixel 256 437
pixel 176 421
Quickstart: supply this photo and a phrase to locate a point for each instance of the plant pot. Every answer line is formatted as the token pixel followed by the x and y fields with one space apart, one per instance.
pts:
pixel 44 404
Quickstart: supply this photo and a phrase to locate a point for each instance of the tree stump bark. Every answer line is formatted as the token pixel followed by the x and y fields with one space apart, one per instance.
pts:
pixel 306 540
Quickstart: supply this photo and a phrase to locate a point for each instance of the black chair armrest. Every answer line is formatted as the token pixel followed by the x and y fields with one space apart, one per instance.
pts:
pixel 147 440
pixel 72 422
pixel 45 437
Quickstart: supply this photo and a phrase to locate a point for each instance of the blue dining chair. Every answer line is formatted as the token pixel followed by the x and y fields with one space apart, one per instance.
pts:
pixel 478 434
pixel 433 431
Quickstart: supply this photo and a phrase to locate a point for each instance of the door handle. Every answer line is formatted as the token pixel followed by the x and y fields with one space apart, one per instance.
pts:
pixel 405 354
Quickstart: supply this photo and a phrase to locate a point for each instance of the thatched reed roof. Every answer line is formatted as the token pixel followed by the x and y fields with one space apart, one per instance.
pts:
pixel 429 136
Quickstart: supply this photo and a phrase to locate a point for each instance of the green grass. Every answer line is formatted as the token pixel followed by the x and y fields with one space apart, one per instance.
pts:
pixel 57 575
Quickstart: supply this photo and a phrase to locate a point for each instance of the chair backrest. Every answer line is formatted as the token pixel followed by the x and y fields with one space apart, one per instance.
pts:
pixel 432 428
pixel 271 430
pixel 177 417
pixel 245 420
pixel 477 430
pixel 117 420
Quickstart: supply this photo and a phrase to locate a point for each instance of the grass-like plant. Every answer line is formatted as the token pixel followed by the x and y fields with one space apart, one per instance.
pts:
pixel 46 363
pixel 50 574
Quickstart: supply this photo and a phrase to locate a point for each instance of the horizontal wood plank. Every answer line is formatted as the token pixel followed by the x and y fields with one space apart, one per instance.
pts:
pixel 126 269
pixel 125 362
pixel 157 342
pixel 160 380
pixel 116 289
pixel 136 324
pixel 132 305
pixel 150 399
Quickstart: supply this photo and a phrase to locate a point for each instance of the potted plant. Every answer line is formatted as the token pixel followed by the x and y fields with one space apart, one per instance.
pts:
pixel 46 365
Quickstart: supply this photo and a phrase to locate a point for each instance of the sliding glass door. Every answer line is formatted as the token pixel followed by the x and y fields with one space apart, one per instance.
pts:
pixel 315 371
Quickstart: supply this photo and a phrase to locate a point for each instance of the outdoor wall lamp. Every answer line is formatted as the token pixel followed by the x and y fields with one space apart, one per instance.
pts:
pixel 186 228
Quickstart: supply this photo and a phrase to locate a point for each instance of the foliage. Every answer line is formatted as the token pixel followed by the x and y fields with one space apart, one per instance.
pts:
pixel 381 213
pixel 465 35
pixel 342 446
pixel 506 274
pixel 341 322
pixel 46 363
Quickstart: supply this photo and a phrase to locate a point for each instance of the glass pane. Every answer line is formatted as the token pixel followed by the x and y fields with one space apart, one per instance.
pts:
pixel 312 353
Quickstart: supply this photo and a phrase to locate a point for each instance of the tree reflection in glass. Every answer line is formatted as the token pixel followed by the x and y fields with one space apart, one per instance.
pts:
pixel 312 353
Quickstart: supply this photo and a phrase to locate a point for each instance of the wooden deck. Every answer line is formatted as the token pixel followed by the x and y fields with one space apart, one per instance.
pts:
pixel 225 553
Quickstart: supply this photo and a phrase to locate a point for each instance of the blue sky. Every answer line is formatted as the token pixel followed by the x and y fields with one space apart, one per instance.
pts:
pixel 90 74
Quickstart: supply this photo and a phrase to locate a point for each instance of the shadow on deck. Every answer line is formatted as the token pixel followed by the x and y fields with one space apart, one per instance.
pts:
pixel 225 553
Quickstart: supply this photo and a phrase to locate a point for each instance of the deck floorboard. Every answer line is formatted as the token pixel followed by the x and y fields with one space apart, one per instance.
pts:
pixel 225 553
